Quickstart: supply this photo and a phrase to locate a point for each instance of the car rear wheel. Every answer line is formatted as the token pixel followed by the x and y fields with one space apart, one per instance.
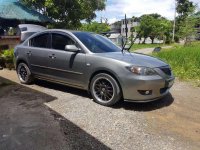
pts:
pixel 105 90
pixel 24 73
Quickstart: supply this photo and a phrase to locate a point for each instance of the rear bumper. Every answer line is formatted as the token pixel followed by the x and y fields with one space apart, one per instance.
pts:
pixel 152 87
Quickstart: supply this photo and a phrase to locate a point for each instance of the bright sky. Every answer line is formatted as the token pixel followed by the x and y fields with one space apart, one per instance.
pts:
pixel 116 9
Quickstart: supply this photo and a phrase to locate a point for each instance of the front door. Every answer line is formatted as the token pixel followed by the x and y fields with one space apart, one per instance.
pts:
pixel 64 65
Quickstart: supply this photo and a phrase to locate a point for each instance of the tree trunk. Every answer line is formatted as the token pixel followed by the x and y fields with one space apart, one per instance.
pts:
pixel 152 40
pixel 140 40
pixel 144 41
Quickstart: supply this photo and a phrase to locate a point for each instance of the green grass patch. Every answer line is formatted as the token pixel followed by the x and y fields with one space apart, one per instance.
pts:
pixel 184 60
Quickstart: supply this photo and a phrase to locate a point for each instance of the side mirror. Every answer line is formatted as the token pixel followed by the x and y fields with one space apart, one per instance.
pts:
pixel 72 48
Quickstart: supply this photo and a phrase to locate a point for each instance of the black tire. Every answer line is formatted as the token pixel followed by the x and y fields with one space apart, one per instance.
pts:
pixel 105 90
pixel 24 74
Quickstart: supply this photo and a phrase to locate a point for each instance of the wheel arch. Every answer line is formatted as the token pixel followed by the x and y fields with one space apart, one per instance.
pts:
pixel 21 61
pixel 106 72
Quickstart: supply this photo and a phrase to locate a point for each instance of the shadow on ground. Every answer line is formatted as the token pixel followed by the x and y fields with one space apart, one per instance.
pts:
pixel 26 123
pixel 62 88
pixel 150 106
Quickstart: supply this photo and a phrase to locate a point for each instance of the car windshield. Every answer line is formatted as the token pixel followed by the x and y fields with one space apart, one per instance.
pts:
pixel 97 43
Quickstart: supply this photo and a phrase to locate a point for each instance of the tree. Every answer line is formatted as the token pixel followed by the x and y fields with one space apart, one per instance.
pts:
pixel 95 27
pixel 161 29
pixel 185 8
pixel 185 22
pixel 145 26
pixel 153 26
pixel 187 29
pixel 67 13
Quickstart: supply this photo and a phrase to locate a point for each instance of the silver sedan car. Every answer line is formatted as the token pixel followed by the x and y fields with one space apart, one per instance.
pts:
pixel 92 62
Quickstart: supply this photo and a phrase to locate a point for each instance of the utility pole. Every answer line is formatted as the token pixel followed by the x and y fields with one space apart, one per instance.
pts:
pixel 174 26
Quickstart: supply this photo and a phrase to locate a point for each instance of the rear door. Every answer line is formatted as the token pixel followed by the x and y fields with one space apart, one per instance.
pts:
pixel 38 54
pixel 66 66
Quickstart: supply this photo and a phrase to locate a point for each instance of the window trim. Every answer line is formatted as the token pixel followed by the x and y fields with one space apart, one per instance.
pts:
pixel 67 35
pixel 48 40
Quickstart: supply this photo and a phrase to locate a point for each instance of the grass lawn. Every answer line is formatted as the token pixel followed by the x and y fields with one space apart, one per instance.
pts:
pixel 142 46
pixel 184 60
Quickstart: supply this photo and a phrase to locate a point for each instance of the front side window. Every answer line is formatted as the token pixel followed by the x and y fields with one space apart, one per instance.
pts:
pixel 40 41
pixel 97 43
pixel 59 41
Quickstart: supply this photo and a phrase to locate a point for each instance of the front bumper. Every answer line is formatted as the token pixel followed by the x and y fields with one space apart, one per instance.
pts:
pixel 156 87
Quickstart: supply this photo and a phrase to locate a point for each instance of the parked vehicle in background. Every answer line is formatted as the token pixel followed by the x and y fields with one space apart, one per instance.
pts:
pixel 26 30
pixel 92 62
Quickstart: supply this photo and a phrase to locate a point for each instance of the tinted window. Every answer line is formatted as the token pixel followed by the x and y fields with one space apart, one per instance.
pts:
pixel 59 41
pixel 96 43
pixel 40 41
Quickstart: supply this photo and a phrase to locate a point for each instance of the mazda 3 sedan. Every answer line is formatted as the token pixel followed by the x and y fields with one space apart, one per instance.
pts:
pixel 92 62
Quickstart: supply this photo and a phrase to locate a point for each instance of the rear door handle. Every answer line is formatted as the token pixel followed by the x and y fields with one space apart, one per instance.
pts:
pixel 52 56
pixel 29 53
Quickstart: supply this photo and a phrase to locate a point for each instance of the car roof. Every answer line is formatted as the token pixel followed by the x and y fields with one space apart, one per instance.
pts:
pixel 67 30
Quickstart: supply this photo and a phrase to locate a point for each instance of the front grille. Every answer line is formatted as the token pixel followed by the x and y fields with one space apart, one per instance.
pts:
pixel 166 70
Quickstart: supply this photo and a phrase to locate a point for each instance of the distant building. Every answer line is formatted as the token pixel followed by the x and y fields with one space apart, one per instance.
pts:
pixel 118 30
pixel 130 24
pixel 116 27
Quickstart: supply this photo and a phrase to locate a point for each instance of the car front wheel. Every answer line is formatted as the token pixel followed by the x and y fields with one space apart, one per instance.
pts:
pixel 24 73
pixel 105 89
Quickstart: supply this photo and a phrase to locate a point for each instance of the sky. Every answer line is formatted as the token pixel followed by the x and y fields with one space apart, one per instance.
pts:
pixel 116 9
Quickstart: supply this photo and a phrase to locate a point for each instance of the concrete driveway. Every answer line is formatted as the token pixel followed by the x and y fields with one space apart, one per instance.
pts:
pixel 50 116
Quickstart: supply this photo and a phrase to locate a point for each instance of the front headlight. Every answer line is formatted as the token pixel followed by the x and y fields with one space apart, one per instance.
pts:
pixel 142 71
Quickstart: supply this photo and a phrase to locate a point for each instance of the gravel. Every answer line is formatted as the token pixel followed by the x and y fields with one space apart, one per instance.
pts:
pixel 124 126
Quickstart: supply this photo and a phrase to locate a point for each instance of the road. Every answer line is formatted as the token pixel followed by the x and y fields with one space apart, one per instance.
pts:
pixel 150 50
pixel 50 116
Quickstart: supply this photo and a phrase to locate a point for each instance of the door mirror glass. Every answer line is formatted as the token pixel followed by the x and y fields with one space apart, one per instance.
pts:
pixel 72 48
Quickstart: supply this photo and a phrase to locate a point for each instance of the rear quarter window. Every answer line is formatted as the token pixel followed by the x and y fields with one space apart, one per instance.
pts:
pixel 40 41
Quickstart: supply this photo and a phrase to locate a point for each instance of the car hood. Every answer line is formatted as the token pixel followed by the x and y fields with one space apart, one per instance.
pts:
pixel 135 59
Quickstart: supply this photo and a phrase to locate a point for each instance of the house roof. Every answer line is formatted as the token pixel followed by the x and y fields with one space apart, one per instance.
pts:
pixel 14 10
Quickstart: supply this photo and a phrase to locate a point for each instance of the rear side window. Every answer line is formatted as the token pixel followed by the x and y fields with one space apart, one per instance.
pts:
pixel 59 41
pixel 40 41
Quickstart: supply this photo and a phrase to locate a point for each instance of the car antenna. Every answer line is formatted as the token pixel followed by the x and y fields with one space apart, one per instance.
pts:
pixel 126 30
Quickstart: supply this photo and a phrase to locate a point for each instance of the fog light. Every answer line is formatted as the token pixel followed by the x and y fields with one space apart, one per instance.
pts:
pixel 145 92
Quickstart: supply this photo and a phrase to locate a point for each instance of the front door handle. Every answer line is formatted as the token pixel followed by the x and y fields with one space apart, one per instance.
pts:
pixel 52 56
pixel 29 53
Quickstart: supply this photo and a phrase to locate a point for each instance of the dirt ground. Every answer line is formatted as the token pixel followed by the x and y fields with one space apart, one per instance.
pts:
pixel 170 123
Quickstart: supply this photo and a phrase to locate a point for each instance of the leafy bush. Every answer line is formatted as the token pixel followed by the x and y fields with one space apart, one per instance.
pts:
pixel 6 58
pixel 184 60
